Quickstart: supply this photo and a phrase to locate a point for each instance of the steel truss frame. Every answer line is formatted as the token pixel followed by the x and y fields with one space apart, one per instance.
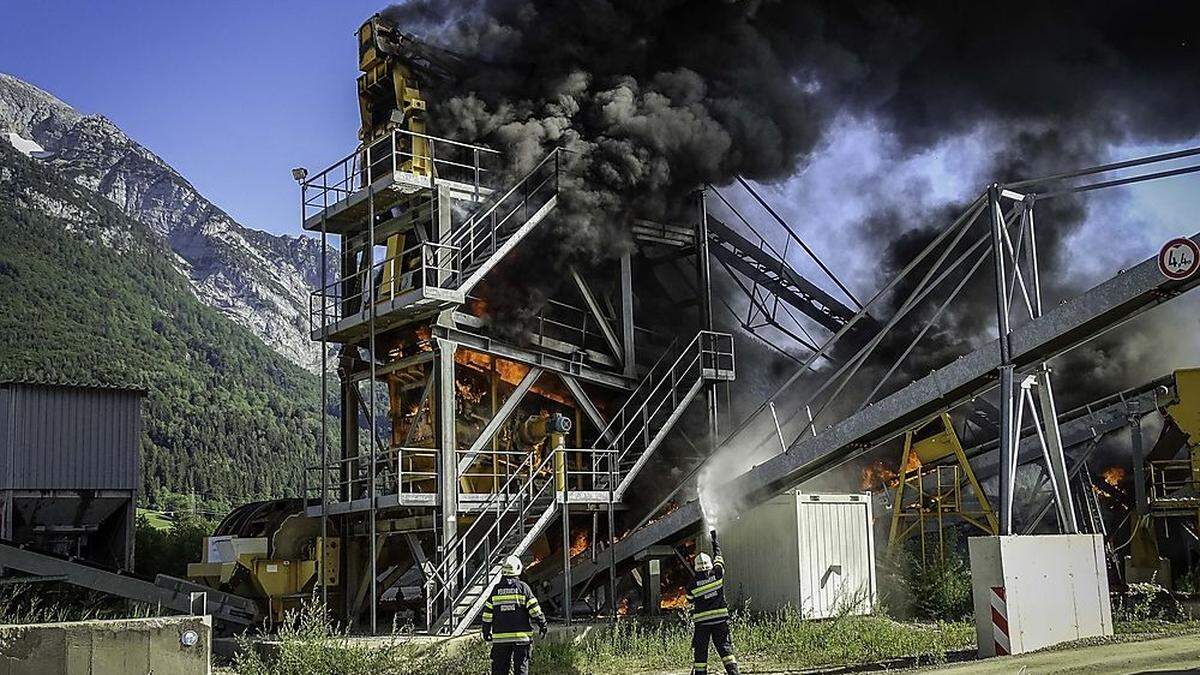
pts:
pixel 1021 348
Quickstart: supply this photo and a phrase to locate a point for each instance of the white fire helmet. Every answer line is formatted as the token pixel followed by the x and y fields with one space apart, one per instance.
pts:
pixel 512 566
pixel 703 562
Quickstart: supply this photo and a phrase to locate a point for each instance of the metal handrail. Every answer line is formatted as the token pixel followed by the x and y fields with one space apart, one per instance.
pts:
pixel 452 566
pixel 479 236
pixel 353 470
pixel 353 172
pixel 528 496
pixel 1170 477
pixel 438 264
pixel 576 326
pixel 673 376
pixel 467 236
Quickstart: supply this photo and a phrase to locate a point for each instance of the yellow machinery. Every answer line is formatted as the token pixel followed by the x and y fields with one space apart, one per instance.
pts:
pixel 1168 486
pixel 553 427
pixel 1175 481
pixel 268 552
pixel 927 491
pixel 389 99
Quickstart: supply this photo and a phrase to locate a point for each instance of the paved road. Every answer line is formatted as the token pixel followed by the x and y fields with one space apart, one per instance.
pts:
pixel 1164 655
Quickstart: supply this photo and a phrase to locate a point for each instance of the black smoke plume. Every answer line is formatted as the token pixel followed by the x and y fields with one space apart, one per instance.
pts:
pixel 658 96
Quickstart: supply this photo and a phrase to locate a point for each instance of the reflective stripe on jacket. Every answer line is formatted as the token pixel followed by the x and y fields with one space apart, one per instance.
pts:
pixel 510 612
pixel 707 592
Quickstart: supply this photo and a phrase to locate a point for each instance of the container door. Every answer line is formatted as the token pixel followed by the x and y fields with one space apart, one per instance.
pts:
pixel 835 559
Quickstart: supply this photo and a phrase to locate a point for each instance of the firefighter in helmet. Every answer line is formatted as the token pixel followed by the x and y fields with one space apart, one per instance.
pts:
pixel 710 613
pixel 508 618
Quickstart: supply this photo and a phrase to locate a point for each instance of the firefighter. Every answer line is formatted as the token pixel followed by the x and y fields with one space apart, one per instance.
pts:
pixel 706 592
pixel 508 618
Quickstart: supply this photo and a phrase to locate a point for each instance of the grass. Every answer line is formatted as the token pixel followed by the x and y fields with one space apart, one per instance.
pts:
pixel 764 642
pixel 53 602
pixel 156 519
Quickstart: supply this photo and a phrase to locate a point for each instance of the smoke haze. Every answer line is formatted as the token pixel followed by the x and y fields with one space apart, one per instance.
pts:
pixel 657 97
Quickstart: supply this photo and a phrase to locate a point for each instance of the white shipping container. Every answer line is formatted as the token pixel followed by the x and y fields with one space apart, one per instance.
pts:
pixel 811 552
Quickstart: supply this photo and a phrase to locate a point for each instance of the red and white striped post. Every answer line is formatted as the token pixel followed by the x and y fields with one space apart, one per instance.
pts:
pixel 1000 621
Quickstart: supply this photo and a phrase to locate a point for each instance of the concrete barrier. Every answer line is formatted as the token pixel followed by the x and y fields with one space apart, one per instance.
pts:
pixel 176 645
pixel 1039 590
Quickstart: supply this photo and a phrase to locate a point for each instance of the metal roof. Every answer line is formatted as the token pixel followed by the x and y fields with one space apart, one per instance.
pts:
pixel 73 384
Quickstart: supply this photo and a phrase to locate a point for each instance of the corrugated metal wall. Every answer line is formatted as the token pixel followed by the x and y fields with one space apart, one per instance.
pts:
pixel 760 548
pixel 61 437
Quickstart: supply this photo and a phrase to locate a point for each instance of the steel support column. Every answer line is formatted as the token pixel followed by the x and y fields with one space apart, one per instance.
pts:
pixel 1008 432
pixel 1137 450
pixel 704 272
pixel 627 339
pixel 321 571
pixel 447 443
pixel 369 280
pixel 1057 461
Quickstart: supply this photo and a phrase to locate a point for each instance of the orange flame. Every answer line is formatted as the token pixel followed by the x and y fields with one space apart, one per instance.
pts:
pixel 508 371
pixel 914 463
pixel 424 337
pixel 877 476
pixel 623 607
pixel 478 307
pixel 467 392
pixel 579 542
pixel 676 598
pixel 1113 475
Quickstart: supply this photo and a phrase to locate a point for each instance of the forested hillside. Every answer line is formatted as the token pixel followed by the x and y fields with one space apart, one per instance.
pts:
pixel 89 295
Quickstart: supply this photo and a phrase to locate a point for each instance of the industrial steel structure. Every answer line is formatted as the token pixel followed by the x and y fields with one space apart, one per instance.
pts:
pixel 1015 360
pixel 468 432
pixel 69 469
pixel 460 445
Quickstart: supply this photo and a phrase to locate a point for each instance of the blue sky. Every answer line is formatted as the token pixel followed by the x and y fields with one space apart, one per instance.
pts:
pixel 232 94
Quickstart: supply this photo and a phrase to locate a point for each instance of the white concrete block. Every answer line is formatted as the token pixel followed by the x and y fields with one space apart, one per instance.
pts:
pixel 1048 588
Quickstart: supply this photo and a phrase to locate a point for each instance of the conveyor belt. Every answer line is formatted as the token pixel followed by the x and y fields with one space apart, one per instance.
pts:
pixel 1075 321
pixel 165 591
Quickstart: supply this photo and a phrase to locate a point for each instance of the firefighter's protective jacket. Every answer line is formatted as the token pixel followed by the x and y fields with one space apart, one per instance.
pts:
pixel 510 612
pixel 706 592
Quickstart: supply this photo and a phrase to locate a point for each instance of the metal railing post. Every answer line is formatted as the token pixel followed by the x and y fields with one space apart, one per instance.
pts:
pixel 612 541
pixel 566 537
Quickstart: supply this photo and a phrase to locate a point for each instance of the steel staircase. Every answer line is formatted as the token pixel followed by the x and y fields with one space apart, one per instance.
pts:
pixel 775 275
pixel 521 509
pixel 652 410
pixel 499 224
pixel 507 525
pixel 431 276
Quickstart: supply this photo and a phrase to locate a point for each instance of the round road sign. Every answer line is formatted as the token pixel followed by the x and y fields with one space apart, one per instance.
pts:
pixel 1179 258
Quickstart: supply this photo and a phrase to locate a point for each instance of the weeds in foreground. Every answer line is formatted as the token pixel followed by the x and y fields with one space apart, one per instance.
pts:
pixel 938 589
pixel 1147 603
pixel 307 643
pixel 55 602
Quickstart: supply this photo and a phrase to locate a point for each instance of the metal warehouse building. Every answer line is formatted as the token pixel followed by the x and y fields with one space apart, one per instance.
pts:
pixel 69 469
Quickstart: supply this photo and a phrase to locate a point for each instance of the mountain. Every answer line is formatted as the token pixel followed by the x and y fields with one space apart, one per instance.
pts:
pixel 258 280
pixel 91 295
